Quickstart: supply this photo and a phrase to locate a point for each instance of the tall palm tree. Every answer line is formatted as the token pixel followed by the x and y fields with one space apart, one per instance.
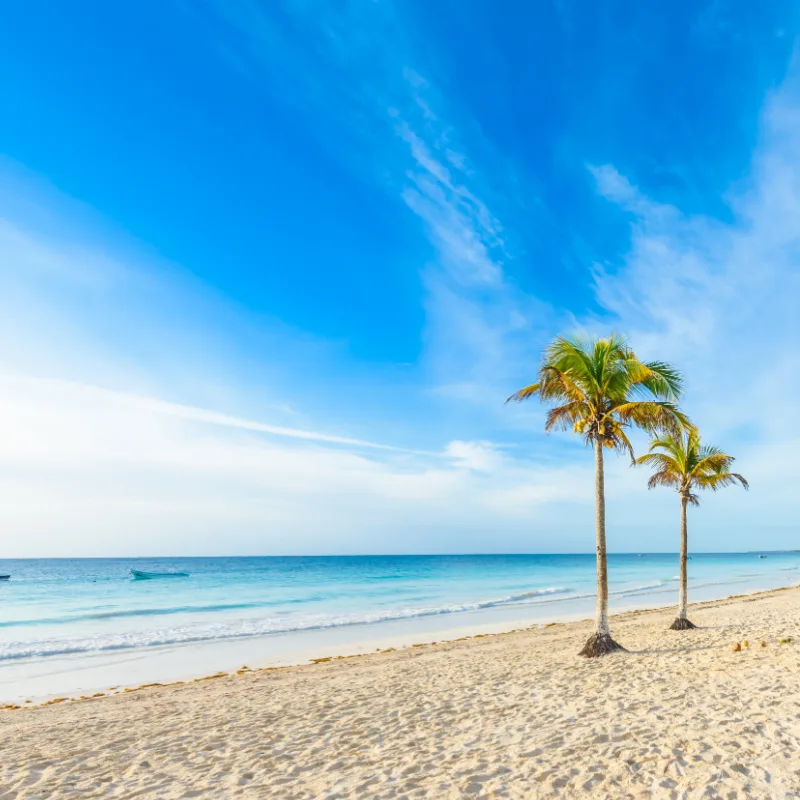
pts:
pixel 682 461
pixel 599 388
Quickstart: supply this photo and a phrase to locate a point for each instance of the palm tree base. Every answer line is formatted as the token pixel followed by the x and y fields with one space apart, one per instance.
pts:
pixel 600 644
pixel 682 624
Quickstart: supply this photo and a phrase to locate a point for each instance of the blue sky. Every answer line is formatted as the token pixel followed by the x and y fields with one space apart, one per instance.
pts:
pixel 271 268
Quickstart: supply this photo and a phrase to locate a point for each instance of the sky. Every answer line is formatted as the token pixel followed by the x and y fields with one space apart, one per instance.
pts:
pixel 269 269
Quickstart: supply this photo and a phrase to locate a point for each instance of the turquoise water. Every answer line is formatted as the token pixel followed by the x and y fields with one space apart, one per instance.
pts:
pixel 65 607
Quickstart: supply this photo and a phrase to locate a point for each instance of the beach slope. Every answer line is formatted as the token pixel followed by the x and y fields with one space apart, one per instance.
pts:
pixel 515 715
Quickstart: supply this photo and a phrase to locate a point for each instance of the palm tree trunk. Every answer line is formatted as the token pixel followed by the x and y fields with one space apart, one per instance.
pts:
pixel 600 642
pixel 681 621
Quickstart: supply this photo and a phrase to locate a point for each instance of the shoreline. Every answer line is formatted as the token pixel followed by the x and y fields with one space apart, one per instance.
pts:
pixel 516 715
pixel 77 631
pixel 377 646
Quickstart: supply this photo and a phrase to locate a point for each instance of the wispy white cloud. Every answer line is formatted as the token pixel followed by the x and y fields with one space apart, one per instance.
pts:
pixel 480 328
pixel 359 67
pixel 720 300
pixel 64 389
pixel 85 471
pixel 481 456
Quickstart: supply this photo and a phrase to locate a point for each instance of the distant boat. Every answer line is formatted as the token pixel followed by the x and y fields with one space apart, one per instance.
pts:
pixel 4 577
pixel 147 576
pixel 762 556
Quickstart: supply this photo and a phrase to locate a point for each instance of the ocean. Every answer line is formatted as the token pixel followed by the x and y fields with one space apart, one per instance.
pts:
pixel 69 625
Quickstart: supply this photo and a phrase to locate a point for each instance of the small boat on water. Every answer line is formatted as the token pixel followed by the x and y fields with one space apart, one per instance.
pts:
pixel 139 575
pixel 5 577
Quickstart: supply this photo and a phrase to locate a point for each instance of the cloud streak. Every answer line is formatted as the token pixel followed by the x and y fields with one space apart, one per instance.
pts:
pixel 193 414
pixel 360 68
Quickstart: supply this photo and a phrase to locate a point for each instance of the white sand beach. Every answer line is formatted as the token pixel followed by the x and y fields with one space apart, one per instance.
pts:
pixel 514 715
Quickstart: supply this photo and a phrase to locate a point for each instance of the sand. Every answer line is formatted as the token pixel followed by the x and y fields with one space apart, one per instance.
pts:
pixel 513 715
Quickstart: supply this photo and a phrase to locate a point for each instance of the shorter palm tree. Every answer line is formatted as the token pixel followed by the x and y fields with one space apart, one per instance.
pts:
pixel 681 461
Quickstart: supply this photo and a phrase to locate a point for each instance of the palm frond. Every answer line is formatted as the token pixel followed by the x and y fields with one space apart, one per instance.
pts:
pixel 572 357
pixel 623 444
pixel 663 478
pixel 652 415
pixel 563 417
pixel 668 442
pixel 711 462
pixel 558 385
pixel 673 445
pixel 659 379
pixel 718 480
pixel 525 393
pixel 741 479
pixel 661 462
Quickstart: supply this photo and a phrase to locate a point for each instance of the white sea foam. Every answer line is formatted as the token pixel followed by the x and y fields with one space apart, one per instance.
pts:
pixel 246 628
pixel 645 587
